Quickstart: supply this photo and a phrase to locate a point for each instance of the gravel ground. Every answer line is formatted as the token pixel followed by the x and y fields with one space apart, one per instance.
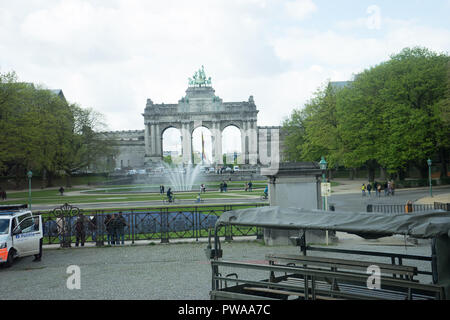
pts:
pixel 163 271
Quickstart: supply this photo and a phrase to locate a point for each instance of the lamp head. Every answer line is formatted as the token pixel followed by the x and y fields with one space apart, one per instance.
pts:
pixel 323 164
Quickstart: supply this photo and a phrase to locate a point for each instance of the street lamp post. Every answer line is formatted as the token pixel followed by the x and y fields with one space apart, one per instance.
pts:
pixel 323 167
pixel 429 176
pixel 30 175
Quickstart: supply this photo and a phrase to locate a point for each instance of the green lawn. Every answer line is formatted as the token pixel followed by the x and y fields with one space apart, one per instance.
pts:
pixel 53 196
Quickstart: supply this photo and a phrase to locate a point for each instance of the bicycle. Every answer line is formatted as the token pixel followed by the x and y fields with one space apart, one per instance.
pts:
pixel 167 201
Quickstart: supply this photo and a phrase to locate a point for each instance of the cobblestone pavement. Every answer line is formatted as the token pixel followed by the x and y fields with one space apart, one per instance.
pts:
pixel 163 271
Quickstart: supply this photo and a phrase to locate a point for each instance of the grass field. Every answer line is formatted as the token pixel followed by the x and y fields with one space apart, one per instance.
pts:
pixel 77 195
pixel 131 193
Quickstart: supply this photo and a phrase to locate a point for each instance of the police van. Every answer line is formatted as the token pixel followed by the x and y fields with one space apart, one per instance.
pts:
pixel 20 233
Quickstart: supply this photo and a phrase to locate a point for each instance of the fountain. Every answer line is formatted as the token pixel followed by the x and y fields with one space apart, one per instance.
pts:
pixel 182 178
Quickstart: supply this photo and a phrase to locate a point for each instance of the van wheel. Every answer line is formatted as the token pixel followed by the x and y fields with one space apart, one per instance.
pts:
pixel 10 259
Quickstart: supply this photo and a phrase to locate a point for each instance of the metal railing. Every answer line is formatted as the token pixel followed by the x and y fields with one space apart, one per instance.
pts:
pixel 154 223
pixel 402 208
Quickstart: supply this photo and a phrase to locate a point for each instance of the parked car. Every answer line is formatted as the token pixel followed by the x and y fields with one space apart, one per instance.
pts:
pixel 236 168
pixel 21 233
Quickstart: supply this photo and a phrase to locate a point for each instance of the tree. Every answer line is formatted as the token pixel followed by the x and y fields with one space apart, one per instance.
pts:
pixel 393 115
pixel 43 133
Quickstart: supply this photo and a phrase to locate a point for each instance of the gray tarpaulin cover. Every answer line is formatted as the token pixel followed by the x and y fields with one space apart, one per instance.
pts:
pixel 428 224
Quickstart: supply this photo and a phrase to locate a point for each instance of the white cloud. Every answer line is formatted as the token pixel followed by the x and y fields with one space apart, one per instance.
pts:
pixel 113 55
pixel 300 9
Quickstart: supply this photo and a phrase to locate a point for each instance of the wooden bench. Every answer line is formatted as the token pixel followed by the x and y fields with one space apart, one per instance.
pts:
pixel 316 283
pixel 333 264
pixel 288 293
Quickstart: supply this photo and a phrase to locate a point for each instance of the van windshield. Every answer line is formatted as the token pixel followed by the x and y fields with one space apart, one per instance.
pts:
pixel 4 226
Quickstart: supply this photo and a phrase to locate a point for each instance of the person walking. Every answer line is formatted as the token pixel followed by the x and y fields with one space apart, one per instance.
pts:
pixel 250 186
pixel 369 188
pixel 61 191
pixel 363 189
pixel 379 189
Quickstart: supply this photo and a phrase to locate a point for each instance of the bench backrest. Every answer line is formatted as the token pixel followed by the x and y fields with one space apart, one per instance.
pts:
pixel 336 264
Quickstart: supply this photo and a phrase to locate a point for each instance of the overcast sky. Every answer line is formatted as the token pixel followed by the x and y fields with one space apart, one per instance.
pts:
pixel 111 55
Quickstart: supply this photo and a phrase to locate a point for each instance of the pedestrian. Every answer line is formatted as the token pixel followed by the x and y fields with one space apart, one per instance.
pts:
pixel 170 195
pixel 109 229
pixel 225 186
pixel 385 187
pixel 80 230
pixel 379 189
pixel 61 191
pixel 93 228
pixel 3 194
pixel 250 186
pixel 408 207
pixel 221 187
pixel 389 188
pixel 37 257
pixel 392 187
pixel 369 188
pixel 120 224
pixel 363 189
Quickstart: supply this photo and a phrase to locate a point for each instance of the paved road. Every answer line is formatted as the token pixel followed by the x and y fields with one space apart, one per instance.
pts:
pixel 164 271
pixel 170 271
pixel 356 202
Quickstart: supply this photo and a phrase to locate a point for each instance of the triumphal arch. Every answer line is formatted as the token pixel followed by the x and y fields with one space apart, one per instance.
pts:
pixel 200 107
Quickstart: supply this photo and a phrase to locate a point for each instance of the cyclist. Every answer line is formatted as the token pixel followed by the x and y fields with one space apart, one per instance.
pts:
pixel 266 192
pixel 169 194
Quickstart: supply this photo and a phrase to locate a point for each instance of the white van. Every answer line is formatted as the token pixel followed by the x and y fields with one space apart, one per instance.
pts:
pixel 20 233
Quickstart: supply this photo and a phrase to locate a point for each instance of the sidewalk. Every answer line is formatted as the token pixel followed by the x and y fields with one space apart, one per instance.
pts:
pixel 354 187
pixel 444 198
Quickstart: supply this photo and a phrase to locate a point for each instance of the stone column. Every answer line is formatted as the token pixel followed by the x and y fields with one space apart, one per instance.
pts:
pixel 147 140
pixel 253 139
pixel 294 185
pixel 218 143
pixel 158 138
pixel 152 140
pixel 243 144
pixel 186 143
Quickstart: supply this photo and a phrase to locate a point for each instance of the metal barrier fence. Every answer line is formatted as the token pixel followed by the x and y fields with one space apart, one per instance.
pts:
pixel 158 223
pixel 403 208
